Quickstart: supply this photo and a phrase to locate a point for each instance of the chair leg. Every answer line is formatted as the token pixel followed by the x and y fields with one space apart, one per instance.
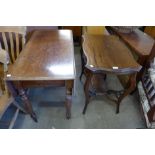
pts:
pixel 82 63
pixel 2 85
pixel 82 72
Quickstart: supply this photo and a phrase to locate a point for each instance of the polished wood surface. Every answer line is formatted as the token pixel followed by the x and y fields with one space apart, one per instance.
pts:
pixel 31 29
pixel 48 55
pixel 137 40
pixel 108 54
pixel 94 30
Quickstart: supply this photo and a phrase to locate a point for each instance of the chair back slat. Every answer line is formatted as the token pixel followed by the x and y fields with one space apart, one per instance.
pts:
pixel 5 41
pixel 12 47
pixel 17 44
pixel 23 41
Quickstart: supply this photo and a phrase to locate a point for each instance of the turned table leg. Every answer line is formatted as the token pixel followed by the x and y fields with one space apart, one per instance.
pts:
pixel 26 101
pixel 11 89
pixel 68 103
pixel 88 75
pixel 130 87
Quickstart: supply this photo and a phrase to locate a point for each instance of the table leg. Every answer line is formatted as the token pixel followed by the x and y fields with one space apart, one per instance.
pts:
pixel 11 88
pixel 26 101
pixel 68 103
pixel 130 87
pixel 14 93
pixel 88 75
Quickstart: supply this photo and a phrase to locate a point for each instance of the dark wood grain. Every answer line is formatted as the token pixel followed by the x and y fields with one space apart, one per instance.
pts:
pixel 49 55
pixel 138 41
pixel 105 52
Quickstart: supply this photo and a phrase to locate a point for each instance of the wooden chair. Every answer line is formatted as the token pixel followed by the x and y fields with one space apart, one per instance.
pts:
pixel 12 40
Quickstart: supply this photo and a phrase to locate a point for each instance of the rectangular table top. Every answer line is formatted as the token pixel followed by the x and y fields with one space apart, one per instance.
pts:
pixel 48 55
pixel 139 41
pixel 108 54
